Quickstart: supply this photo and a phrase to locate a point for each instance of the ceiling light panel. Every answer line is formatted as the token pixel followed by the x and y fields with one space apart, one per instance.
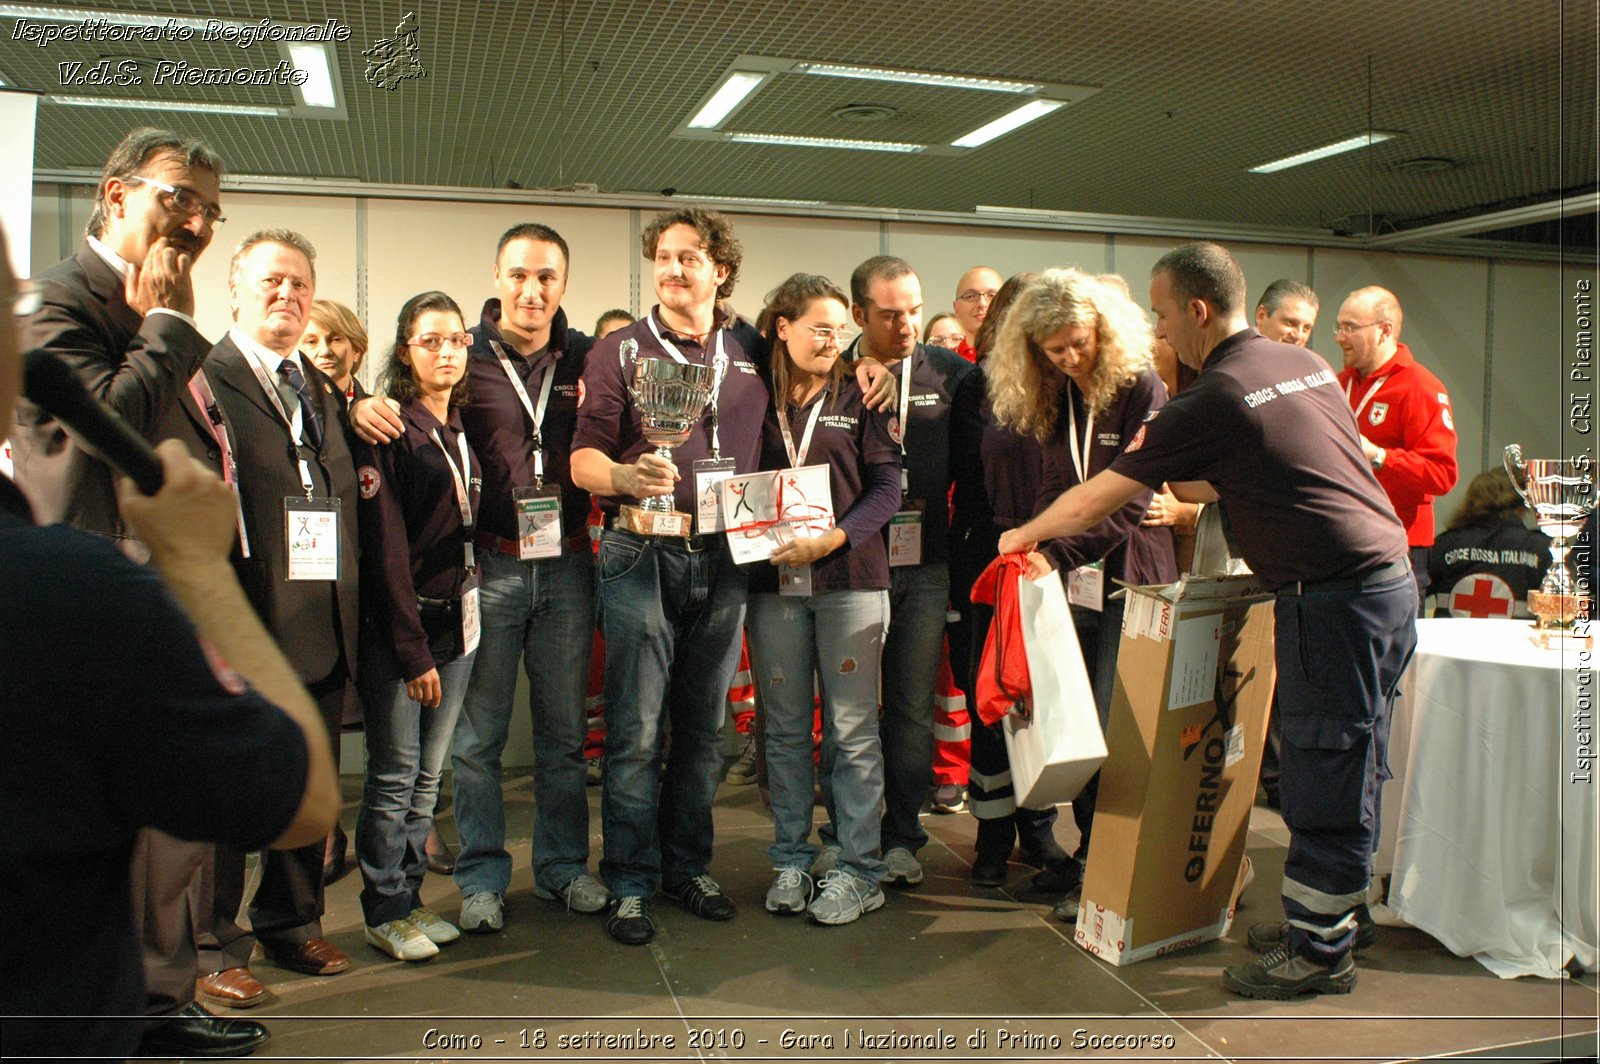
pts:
pixel 1338 147
pixel 824 142
pixel 128 104
pixel 917 77
pixel 1031 111
pixel 735 89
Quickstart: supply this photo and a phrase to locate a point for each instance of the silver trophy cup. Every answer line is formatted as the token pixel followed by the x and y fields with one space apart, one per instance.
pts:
pixel 1560 492
pixel 671 397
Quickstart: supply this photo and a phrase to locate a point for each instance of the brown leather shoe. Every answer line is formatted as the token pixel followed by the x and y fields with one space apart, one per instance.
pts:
pixel 234 988
pixel 316 957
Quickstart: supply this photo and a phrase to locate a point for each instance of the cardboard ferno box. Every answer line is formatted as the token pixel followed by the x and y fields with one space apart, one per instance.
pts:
pixel 1188 720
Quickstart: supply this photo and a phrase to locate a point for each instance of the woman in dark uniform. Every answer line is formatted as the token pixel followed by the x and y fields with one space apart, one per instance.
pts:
pixel 830 618
pixel 419 499
pixel 1073 368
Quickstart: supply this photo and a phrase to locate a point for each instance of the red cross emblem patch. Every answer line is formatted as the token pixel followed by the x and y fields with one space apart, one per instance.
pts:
pixel 370 482
pixel 1482 595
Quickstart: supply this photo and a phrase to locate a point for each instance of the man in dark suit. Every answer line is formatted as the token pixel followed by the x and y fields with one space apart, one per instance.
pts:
pixel 119 313
pixel 297 490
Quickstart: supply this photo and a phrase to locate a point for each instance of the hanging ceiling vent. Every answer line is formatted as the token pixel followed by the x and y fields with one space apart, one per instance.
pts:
pixel 865 112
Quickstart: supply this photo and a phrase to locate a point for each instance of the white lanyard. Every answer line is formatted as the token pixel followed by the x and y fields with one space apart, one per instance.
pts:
pixel 206 400
pixel 719 369
pixel 905 400
pixel 459 475
pixel 296 428
pixel 1080 458
pixel 798 458
pixel 1376 384
pixel 536 414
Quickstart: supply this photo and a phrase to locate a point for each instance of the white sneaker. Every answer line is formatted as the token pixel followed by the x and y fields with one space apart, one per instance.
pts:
pixel 483 913
pixel 844 898
pixel 437 928
pixel 402 940
pixel 583 894
pixel 826 861
pixel 904 868
pixel 789 891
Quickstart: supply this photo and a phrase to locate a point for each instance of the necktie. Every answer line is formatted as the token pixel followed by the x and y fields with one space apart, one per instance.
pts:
pixel 308 406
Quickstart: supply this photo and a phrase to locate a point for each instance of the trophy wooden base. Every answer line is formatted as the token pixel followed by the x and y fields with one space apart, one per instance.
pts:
pixel 655 522
pixel 1557 620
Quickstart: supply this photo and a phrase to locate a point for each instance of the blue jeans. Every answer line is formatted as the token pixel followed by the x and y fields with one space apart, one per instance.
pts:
pixel 918 598
pixel 406 748
pixel 540 613
pixel 671 621
pixel 837 636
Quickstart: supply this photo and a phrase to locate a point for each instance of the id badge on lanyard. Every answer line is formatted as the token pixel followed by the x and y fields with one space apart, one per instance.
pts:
pixel 471 627
pixel 794 580
pixel 538 522
pixel 708 473
pixel 905 537
pixel 311 529
pixel 1086 586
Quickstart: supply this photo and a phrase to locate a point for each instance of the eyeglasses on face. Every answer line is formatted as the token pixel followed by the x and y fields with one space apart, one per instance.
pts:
pixel 433 341
pixel 828 335
pixel 1346 327
pixel 183 200
pixel 978 295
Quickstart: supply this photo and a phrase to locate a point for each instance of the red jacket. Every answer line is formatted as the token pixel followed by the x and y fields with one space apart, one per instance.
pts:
pixel 1403 408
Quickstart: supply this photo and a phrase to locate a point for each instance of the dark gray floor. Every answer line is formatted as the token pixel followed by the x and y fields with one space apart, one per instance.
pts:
pixel 947 960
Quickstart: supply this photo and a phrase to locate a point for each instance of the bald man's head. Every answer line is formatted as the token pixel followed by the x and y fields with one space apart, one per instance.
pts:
pixel 974 292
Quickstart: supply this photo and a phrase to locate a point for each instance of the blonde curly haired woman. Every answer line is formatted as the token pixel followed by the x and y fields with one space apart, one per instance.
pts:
pixel 1073 368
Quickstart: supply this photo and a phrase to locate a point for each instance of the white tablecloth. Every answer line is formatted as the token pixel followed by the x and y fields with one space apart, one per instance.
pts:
pixel 1494 844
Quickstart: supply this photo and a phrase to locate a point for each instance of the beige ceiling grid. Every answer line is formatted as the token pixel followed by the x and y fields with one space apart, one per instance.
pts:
pixel 1191 94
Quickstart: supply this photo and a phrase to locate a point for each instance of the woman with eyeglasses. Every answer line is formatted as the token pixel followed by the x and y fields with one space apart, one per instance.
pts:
pixel 419 632
pixel 1073 368
pixel 829 618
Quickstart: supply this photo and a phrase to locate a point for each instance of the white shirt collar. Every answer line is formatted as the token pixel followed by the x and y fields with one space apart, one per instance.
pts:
pixel 112 259
pixel 261 355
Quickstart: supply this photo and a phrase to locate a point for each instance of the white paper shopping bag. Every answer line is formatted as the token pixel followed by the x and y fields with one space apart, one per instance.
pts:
pixel 1053 754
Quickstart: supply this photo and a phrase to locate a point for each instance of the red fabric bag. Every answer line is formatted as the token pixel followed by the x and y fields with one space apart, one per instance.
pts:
pixel 1003 682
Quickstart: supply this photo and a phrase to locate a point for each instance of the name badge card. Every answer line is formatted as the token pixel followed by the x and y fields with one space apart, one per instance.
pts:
pixel 708 473
pixel 794 580
pixel 471 628
pixel 538 522
pixel 311 528
pixel 905 538
pixel 1086 586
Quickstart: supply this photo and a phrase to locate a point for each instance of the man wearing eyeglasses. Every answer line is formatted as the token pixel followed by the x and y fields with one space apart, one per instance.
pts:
pixel 298 496
pixel 1403 413
pixel 974 292
pixel 119 312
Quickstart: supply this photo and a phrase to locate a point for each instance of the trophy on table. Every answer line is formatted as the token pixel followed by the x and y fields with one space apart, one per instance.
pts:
pixel 671 396
pixel 1561 493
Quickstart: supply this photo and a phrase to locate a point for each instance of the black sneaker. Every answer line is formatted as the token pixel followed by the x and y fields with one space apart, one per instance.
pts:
pixel 989 870
pixel 1066 910
pixel 630 922
pixel 1063 877
pixel 1265 937
pixel 1043 853
pixel 1283 976
pixel 704 898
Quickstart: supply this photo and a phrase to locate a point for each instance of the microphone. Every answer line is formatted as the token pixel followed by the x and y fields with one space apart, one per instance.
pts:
pixel 50 383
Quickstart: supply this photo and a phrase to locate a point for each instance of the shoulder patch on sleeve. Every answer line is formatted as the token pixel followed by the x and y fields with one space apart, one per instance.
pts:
pixel 1137 441
pixel 367 477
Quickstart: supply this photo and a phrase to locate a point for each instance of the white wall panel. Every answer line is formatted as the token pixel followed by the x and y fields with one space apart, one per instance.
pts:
pixel 329 223
pixel 942 253
pixel 775 247
pixel 413 246
pixel 1527 366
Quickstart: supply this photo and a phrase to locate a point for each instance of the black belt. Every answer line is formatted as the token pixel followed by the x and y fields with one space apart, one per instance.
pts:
pixel 692 544
pixel 1372 577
